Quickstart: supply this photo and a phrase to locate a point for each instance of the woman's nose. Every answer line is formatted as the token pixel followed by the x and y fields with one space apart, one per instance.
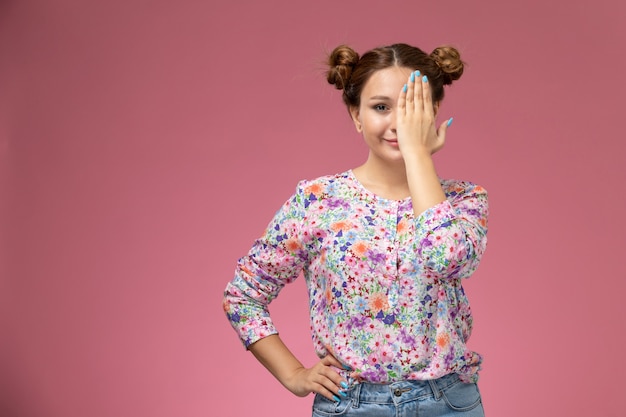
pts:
pixel 392 121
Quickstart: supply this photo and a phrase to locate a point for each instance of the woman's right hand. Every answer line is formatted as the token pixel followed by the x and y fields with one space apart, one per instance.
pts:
pixel 321 378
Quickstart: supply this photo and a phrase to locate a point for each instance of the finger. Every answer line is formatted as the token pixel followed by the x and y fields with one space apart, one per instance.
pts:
pixel 331 360
pixel 402 98
pixel 322 390
pixel 328 383
pixel 410 89
pixel 419 93
pixel 427 98
pixel 443 128
pixel 441 133
pixel 329 372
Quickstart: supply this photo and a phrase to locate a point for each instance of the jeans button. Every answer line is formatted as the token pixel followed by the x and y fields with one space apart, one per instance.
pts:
pixel 397 392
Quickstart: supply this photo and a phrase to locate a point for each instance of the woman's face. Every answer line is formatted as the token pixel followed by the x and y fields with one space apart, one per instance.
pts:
pixel 376 116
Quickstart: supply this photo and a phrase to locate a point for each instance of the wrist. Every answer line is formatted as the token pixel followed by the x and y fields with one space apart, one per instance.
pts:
pixel 418 154
pixel 292 381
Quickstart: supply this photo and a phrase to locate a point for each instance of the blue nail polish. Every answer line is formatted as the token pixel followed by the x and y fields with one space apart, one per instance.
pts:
pixel 404 91
pixel 343 393
pixel 417 73
pixel 346 367
pixel 425 79
pixel 344 385
pixel 412 77
pixel 337 399
pixel 450 121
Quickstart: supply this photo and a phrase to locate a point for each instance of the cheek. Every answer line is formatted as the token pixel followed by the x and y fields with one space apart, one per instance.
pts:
pixel 376 123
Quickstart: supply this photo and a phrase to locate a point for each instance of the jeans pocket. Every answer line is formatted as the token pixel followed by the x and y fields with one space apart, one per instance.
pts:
pixel 461 396
pixel 324 407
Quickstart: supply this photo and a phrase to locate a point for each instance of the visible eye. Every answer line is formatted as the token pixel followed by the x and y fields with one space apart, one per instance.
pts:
pixel 380 107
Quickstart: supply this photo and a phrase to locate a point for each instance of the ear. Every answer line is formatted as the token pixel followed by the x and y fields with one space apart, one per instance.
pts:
pixel 355 114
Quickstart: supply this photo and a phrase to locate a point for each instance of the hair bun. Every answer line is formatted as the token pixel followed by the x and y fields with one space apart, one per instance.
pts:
pixel 341 62
pixel 448 59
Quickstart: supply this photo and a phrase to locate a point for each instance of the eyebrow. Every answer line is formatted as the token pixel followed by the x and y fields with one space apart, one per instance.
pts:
pixel 379 98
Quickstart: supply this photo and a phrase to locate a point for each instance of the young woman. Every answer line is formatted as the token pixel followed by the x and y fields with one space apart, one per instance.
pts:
pixel 383 248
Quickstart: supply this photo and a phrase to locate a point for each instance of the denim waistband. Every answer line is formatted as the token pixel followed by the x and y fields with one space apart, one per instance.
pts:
pixel 399 392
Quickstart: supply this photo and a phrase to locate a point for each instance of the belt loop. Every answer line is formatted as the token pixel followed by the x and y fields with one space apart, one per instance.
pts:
pixel 356 394
pixel 435 388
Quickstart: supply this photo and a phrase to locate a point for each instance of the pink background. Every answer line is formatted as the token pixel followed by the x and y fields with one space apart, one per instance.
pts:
pixel 145 144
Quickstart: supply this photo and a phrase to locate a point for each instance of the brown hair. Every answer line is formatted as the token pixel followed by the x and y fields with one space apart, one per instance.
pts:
pixel 349 72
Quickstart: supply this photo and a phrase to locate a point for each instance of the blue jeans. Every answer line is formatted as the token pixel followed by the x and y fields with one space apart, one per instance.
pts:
pixel 443 397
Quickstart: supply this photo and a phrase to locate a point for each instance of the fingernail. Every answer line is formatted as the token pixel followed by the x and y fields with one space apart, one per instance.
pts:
pixel 336 398
pixel 404 91
pixel 450 121
pixel 346 367
pixel 344 385
pixel 412 77
pixel 343 393
pixel 417 73
pixel 425 79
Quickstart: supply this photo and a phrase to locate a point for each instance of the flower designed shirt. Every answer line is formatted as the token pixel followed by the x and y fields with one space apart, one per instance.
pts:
pixel 385 293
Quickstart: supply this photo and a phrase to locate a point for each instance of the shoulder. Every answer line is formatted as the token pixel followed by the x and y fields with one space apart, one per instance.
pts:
pixel 322 185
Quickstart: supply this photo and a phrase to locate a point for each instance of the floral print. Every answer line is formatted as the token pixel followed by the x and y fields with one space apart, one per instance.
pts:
pixel 385 293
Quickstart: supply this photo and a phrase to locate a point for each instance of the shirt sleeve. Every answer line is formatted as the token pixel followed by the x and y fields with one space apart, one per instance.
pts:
pixel 274 260
pixel 451 236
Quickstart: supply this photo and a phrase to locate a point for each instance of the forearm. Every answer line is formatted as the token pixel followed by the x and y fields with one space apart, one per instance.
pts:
pixel 424 184
pixel 272 353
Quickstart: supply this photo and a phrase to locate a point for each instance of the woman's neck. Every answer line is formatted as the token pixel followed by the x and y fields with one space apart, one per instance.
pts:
pixel 387 180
